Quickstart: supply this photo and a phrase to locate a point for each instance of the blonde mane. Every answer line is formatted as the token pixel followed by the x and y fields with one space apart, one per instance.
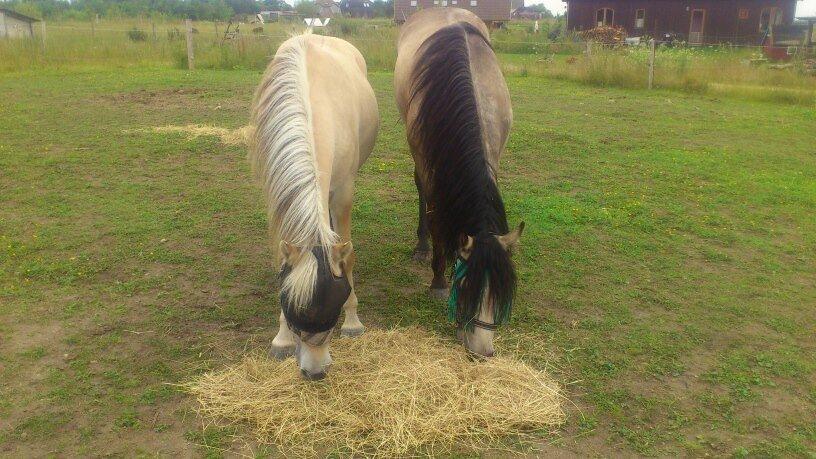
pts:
pixel 283 158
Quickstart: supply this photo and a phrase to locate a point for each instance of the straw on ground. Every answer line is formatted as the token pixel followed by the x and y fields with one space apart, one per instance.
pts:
pixel 227 136
pixel 389 393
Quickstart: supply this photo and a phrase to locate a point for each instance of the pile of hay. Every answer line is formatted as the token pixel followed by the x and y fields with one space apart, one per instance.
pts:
pixel 389 393
pixel 227 136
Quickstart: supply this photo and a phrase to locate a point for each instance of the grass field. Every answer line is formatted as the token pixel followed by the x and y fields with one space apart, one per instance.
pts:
pixel 669 261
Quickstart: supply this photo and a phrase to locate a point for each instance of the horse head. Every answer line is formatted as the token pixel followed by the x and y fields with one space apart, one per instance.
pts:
pixel 480 303
pixel 314 287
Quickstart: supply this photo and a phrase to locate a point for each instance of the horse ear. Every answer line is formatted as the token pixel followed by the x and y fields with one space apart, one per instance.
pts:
pixel 465 245
pixel 509 240
pixel 289 253
pixel 339 255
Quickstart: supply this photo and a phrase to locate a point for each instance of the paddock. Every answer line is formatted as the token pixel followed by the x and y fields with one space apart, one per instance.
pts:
pixel 666 272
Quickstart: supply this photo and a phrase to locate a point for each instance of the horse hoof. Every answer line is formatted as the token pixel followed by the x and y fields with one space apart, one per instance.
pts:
pixel 313 376
pixel 352 332
pixel 281 352
pixel 421 255
pixel 440 293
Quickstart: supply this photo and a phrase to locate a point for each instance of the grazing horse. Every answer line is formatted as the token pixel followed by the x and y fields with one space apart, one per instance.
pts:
pixel 316 120
pixel 456 108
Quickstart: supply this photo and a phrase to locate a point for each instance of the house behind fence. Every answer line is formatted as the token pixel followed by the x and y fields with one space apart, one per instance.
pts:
pixel 357 8
pixel 697 21
pixel 328 8
pixel 16 25
pixel 492 12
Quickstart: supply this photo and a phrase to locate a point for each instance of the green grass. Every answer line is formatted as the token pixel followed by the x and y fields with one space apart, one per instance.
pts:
pixel 668 260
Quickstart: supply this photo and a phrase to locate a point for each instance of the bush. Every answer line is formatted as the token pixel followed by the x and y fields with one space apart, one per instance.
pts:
pixel 137 35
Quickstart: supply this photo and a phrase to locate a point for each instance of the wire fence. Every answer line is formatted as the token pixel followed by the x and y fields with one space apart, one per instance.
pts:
pixel 218 45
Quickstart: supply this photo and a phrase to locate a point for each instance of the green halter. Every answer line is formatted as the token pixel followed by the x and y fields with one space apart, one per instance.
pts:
pixel 459 272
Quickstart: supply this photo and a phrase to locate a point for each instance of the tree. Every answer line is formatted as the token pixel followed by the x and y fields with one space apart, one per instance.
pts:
pixel 244 6
pixel 307 8
pixel 276 5
pixel 540 8
pixel 383 8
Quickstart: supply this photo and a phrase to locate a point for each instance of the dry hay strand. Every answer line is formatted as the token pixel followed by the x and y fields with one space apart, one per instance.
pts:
pixel 238 136
pixel 389 393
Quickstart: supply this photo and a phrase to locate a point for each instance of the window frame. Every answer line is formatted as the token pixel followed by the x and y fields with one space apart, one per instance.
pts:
pixel 604 22
pixel 642 13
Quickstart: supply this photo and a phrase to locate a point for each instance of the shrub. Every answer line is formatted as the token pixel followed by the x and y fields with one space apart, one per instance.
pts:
pixel 137 35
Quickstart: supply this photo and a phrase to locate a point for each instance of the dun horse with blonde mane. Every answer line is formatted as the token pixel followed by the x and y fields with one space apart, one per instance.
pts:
pixel 456 107
pixel 316 120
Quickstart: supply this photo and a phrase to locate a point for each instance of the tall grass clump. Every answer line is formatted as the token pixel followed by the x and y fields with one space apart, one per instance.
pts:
pixel 715 70
pixel 377 41
pixel 78 43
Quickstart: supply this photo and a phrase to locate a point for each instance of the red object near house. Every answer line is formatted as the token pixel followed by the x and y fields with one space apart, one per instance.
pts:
pixel 696 21
pixel 776 53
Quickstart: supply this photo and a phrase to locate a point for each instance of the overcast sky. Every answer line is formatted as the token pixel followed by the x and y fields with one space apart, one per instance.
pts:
pixel 803 7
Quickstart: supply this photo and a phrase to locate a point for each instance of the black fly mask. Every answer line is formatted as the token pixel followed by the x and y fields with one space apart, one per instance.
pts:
pixel 328 297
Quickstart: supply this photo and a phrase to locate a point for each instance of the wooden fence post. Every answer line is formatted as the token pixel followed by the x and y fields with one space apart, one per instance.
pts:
pixel 651 61
pixel 155 37
pixel 215 23
pixel 589 49
pixel 190 56
pixel 43 35
pixel 93 29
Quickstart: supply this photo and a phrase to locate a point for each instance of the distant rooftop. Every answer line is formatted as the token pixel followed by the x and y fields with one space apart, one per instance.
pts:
pixel 16 15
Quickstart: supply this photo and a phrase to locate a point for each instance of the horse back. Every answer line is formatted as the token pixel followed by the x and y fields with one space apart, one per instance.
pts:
pixel 345 117
pixel 492 95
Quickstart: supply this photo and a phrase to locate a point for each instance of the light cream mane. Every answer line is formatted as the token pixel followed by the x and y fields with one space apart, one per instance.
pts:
pixel 283 157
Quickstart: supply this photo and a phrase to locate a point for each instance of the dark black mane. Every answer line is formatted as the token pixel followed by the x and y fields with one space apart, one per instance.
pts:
pixel 463 198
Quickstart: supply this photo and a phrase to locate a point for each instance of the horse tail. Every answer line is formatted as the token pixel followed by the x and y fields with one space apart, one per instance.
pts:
pixel 282 154
pixel 460 183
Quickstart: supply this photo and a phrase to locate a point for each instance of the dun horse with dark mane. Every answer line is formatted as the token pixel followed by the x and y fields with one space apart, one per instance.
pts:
pixel 456 107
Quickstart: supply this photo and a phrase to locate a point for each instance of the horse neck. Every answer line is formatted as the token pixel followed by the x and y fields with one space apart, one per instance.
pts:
pixel 284 153
pixel 448 132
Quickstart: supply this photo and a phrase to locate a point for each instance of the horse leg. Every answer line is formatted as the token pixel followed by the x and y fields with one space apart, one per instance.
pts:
pixel 439 285
pixel 422 251
pixel 283 345
pixel 351 324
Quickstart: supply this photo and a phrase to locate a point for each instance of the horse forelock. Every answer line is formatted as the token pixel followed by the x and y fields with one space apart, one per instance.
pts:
pixel 490 280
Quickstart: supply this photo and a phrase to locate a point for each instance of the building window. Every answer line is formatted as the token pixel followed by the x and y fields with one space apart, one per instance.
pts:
pixel 640 19
pixel 453 2
pixel 605 17
pixel 473 3
pixel 444 2
pixel 436 2
pixel 743 13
